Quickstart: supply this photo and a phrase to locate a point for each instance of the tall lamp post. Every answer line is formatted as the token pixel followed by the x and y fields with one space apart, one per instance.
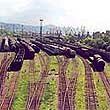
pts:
pixel 41 20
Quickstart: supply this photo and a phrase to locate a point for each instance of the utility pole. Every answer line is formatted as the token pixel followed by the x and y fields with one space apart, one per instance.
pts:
pixel 41 20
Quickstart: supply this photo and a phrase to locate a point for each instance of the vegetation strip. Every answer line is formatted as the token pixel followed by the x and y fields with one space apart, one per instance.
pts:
pixel 106 84
pixel 107 70
pixel 101 92
pixel 21 93
pixel 80 89
pixel 31 84
pixel 34 102
pixel 49 99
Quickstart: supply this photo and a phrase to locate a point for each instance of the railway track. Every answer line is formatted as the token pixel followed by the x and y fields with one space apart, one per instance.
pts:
pixel 8 94
pixel 106 83
pixel 3 59
pixel 91 98
pixel 69 99
pixel 3 70
pixel 71 87
pixel 32 83
pixel 37 88
pixel 63 101
pixel 67 88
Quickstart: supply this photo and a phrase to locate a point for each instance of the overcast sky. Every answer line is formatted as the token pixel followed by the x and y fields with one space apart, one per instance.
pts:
pixel 93 14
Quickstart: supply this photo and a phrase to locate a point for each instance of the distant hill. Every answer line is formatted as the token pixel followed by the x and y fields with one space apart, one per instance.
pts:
pixel 18 27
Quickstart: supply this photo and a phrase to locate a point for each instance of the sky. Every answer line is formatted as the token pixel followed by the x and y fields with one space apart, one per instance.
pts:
pixel 93 14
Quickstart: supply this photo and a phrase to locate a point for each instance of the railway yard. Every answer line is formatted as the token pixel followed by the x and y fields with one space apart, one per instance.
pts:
pixel 43 74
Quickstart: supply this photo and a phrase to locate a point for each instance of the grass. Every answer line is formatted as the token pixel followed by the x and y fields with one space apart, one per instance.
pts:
pixel 53 65
pixel 37 68
pixel 80 90
pixel 21 94
pixel 70 69
pixel 49 96
pixel 8 78
pixel 107 69
pixel 49 99
pixel 1 57
pixel 100 91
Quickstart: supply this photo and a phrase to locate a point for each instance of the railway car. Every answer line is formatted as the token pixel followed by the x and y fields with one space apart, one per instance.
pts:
pixel 105 45
pixel 36 49
pixel 69 53
pixel 11 45
pixel 49 49
pixel 50 52
pixel 18 39
pixel 17 63
pixel 108 48
pixel 53 50
pixel 29 51
pixel 18 45
pixel 4 45
pixel 1 45
pixel 37 43
pixel 105 55
pixel 82 51
pixel 97 63
pixel 85 53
